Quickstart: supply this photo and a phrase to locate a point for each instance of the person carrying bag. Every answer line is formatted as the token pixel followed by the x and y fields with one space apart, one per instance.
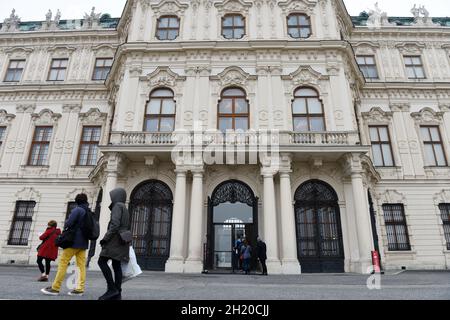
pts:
pixel 47 250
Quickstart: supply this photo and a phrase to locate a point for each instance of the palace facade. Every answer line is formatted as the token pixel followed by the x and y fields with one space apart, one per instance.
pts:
pixel 358 110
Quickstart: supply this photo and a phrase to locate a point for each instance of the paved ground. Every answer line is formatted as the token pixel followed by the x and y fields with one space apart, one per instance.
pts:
pixel 19 283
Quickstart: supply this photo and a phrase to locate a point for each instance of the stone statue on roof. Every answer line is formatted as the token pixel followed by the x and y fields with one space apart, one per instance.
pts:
pixel 58 17
pixel 377 18
pixel 11 23
pixel 48 16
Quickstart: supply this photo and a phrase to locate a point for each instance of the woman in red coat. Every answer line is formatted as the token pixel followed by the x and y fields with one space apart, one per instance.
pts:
pixel 48 251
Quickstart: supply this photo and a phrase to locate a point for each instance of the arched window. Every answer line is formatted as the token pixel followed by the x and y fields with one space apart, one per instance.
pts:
pixel 160 111
pixel 233 113
pixel 233 26
pixel 168 28
pixel 307 111
pixel 299 26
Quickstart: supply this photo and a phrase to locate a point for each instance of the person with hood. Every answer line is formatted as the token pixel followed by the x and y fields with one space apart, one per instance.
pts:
pixel 48 250
pixel 261 250
pixel 78 249
pixel 114 247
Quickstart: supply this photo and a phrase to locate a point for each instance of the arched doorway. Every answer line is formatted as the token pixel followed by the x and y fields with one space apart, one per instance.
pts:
pixel 151 206
pixel 232 214
pixel 319 233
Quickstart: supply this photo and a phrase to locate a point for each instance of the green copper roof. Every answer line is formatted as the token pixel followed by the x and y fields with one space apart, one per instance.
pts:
pixel 361 20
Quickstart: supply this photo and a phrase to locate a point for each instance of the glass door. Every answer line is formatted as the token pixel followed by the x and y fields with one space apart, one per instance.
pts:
pixel 223 244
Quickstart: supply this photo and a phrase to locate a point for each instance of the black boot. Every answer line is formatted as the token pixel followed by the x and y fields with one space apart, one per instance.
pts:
pixel 111 294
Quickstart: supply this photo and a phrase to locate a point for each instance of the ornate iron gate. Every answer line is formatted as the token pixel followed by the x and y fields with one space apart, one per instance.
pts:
pixel 319 233
pixel 151 206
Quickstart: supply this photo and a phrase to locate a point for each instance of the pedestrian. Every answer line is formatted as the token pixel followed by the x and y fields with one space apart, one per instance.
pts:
pixel 246 251
pixel 115 245
pixel 48 250
pixel 77 249
pixel 261 250
pixel 236 254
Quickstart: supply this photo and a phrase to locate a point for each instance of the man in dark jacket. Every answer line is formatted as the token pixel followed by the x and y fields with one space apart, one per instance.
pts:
pixel 113 246
pixel 78 249
pixel 261 250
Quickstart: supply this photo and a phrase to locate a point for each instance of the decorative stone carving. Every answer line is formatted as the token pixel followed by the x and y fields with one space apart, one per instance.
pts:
pixel 306 6
pixel 92 20
pixel 104 50
pixel 390 197
pixel 45 117
pixel 6 118
pixel 422 17
pixel 233 76
pixel 378 18
pixel 427 115
pixel 50 24
pixel 162 77
pixel 170 7
pixel 305 75
pixel 229 6
pixel 442 197
pixel 12 23
pixel 410 47
pixel 366 48
pixel 28 194
pixel 93 117
pixel 377 115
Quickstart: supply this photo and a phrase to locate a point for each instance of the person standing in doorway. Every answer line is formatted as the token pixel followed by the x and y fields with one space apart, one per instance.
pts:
pixel 114 246
pixel 261 250
pixel 77 249
pixel 246 251
pixel 48 251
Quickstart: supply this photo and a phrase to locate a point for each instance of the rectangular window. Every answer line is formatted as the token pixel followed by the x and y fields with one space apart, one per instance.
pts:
pixel 381 146
pixel 445 214
pixel 102 68
pixel 396 228
pixel 58 70
pixel 414 67
pixel 20 229
pixel 90 140
pixel 368 66
pixel 434 150
pixel 40 146
pixel 2 135
pixel 15 70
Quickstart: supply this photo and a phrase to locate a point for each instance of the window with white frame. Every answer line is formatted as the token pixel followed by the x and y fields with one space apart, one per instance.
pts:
pixel 15 71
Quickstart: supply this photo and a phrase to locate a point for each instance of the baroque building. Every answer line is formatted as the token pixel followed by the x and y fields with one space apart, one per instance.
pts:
pixel 356 110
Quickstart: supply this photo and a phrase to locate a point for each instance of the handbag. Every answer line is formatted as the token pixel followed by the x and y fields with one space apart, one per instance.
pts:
pixel 43 241
pixel 66 239
pixel 126 236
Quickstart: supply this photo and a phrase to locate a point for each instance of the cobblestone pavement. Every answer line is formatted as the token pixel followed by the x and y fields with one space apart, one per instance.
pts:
pixel 19 283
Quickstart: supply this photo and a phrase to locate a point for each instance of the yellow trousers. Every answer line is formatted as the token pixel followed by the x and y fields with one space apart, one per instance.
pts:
pixel 67 255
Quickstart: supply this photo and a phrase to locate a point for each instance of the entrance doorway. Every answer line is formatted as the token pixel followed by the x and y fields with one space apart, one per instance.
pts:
pixel 151 224
pixel 232 218
pixel 319 233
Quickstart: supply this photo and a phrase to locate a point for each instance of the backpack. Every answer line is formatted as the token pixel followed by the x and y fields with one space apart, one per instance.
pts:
pixel 91 228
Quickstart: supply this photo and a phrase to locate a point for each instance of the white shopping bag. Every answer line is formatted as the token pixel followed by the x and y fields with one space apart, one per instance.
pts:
pixel 131 269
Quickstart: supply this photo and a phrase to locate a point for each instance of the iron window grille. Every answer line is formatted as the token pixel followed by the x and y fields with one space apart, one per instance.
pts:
pixel 307 111
pixel 15 71
pixel 434 150
pixel 40 146
pixel 414 67
pixel 445 215
pixel 168 28
pixel 160 112
pixel 21 224
pixel 102 68
pixel 368 66
pixel 299 26
pixel 381 146
pixel 90 139
pixel 396 227
pixel 58 69
pixel 2 135
pixel 233 26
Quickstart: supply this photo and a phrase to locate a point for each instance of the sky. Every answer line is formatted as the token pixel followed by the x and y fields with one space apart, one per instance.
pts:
pixel 31 10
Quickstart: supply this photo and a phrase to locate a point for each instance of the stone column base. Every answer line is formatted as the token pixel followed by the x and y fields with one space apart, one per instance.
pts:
pixel 290 267
pixel 174 266
pixel 274 267
pixel 193 266
pixel 362 266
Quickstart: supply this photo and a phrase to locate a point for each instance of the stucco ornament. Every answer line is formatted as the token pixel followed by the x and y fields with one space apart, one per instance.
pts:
pixel 377 18
pixel 422 16
pixel 12 23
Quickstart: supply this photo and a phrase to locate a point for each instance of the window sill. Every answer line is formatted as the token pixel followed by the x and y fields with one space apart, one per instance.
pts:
pixel 383 167
pixel 83 167
pixel 400 253
pixel 34 167
pixel 437 167
pixel 16 247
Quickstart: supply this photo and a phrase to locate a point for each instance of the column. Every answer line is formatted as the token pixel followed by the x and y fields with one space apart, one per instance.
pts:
pixel 176 259
pixel 362 221
pixel 194 262
pixel 289 259
pixel 105 212
pixel 270 223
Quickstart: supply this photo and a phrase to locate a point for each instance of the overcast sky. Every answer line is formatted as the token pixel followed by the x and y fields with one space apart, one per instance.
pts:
pixel 29 10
